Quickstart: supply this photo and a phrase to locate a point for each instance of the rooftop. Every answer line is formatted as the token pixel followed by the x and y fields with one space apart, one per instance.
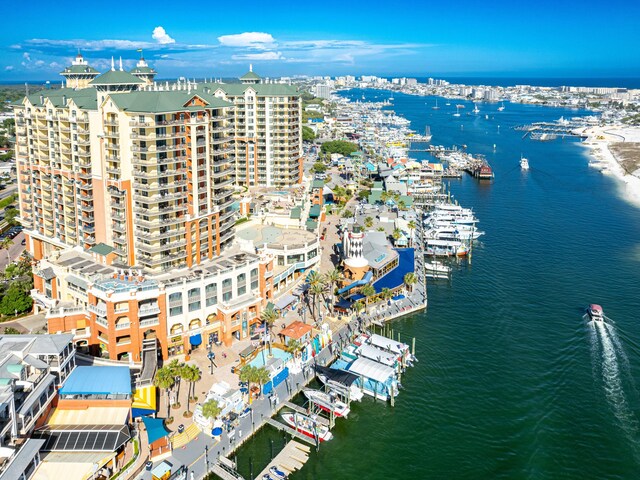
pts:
pixel 98 381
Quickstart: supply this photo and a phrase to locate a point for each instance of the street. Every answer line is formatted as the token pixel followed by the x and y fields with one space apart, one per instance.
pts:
pixel 15 251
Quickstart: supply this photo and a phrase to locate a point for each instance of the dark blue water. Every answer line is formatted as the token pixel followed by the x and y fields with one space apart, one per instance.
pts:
pixel 512 381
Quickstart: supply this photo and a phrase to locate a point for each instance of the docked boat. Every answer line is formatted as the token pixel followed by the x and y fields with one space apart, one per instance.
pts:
pixel 328 402
pixel 437 267
pixel 307 426
pixel 278 474
pixel 595 312
pixel 445 248
pixel 373 378
pixel 341 382
pixel 524 163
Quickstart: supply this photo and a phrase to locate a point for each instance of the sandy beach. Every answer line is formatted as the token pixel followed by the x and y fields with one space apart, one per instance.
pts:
pixel 616 151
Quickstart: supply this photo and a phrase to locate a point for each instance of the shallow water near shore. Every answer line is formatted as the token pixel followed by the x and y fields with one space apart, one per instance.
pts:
pixel 512 380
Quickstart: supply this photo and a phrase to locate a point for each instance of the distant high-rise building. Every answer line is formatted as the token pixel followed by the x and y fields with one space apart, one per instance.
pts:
pixel 322 91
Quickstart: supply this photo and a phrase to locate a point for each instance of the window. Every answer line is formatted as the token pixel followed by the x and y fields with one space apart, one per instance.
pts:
pixel 194 293
pixel 193 306
pixel 173 311
pixel 226 297
pixel 226 284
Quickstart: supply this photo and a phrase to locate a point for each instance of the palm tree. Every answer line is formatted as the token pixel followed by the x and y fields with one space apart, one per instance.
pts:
pixel 317 290
pixel 402 205
pixel 5 244
pixel 397 234
pixel 164 379
pixel 191 374
pixel 411 226
pixel 332 278
pixel 368 222
pixel 247 374
pixel 262 376
pixel 293 346
pixel 358 306
pixel 386 294
pixel 410 280
pixel 368 291
pixel 175 369
pixel 385 196
pixel 269 317
pixel 211 409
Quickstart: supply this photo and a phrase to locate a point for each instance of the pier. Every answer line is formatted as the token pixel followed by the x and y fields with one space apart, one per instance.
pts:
pixel 292 457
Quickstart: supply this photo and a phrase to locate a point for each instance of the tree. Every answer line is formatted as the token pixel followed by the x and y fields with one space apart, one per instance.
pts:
pixel 410 280
pixel 368 222
pixel 339 146
pixel 386 294
pixel 165 380
pixel 385 196
pixel 293 346
pixel 348 214
pixel 5 244
pixel 175 369
pixel 317 290
pixel 332 278
pixel 402 205
pixel 397 234
pixel 11 331
pixel 368 291
pixel 411 226
pixel 247 374
pixel 269 317
pixel 319 167
pixel 16 298
pixel 191 374
pixel 10 216
pixel 210 409
pixel 261 376
pixel 307 134
pixel 358 306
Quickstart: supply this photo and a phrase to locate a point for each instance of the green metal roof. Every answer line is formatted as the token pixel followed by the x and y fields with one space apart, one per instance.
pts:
pixel 164 101
pixel 261 89
pixel 296 213
pixel 143 70
pixel 102 249
pixel 312 225
pixel 85 98
pixel 116 77
pixel 250 76
pixel 375 196
pixel 80 69
pixel 315 211
pixel 317 184
pixel 407 199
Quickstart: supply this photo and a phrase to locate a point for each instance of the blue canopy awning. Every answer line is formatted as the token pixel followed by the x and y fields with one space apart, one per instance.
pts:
pixel 398 297
pixel 195 340
pixel 155 428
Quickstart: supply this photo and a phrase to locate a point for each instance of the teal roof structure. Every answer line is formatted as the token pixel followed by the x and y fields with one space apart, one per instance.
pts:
pixel 261 89
pixel 251 76
pixel 102 249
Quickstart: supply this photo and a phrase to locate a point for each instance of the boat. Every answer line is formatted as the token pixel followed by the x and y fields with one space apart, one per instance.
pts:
pixel 307 426
pixel 437 267
pixel 427 134
pixel 436 107
pixel 501 107
pixel 448 103
pixel 475 110
pixel 595 312
pixel 457 114
pixel 328 402
pixel 342 383
pixel 277 473
pixel 524 163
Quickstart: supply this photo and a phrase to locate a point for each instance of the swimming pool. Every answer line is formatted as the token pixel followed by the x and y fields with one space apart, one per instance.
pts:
pixel 275 352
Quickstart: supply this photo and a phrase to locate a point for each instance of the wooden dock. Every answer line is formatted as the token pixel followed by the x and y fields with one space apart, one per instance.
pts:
pixel 292 457
pixel 286 428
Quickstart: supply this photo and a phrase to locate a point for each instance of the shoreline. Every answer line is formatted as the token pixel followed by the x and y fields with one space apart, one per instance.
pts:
pixel 598 146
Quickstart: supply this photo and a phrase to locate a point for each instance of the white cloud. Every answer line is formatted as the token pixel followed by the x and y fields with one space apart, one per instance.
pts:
pixel 259 56
pixel 39 63
pixel 258 40
pixel 26 56
pixel 8 67
pixel 161 36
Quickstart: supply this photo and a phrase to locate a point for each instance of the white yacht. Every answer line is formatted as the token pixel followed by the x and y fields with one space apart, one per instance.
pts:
pixel 524 163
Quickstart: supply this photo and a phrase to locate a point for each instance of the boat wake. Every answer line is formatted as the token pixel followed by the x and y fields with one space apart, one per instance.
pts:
pixel 608 355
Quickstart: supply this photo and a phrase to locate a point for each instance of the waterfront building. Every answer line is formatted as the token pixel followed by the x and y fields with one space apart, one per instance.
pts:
pixel 322 91
pixel 125 192
pixel 32 367
pixel 267 130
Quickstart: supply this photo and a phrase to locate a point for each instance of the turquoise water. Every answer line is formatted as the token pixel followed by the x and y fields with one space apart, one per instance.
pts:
pixel 512 382
pixel 276 352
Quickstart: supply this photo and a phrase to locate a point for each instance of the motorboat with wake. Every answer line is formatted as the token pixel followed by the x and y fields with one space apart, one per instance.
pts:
pixel 328 402
pixel 595 312
pixel 307 426
pixel 524 163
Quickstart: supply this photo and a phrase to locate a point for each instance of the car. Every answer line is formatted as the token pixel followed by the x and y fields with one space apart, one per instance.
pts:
pixel 149 465
pixel 23 242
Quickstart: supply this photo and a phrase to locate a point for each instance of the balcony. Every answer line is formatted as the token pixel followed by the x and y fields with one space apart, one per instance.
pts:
pixel 123 326
pixel 100 310
pixel 150 322
pixel 102 321
pixel 145 310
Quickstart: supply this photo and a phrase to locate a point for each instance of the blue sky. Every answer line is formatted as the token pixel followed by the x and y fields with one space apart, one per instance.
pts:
pixel 416 38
